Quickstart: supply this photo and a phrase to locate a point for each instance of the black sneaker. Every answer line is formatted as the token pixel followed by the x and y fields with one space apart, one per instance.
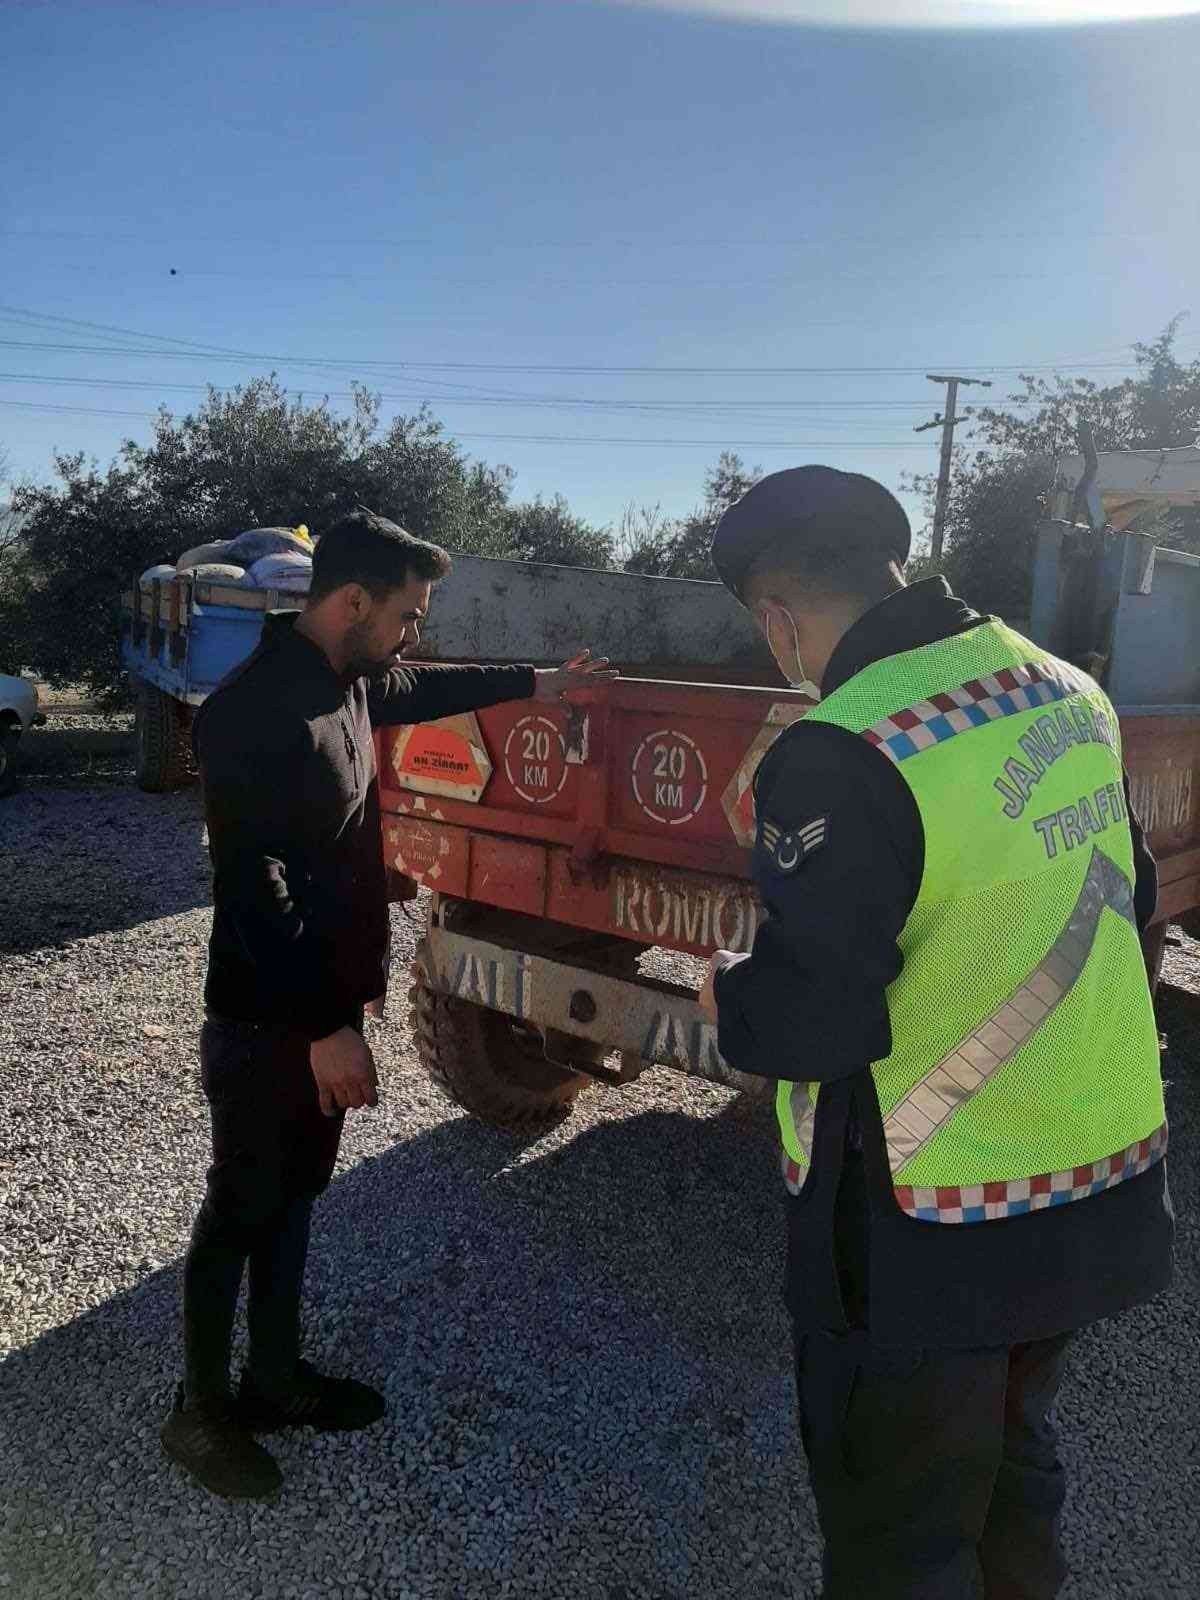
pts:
pixel 331 1405
pixel 218 1451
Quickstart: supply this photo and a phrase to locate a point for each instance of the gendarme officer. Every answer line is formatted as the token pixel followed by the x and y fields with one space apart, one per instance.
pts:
pixel 971 1108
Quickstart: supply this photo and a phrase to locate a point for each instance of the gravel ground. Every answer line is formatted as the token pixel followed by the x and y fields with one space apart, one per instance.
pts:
pixel 579 1337
pixel 78 749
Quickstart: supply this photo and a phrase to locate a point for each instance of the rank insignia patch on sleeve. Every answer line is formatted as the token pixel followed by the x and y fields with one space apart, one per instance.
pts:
pixel 789 849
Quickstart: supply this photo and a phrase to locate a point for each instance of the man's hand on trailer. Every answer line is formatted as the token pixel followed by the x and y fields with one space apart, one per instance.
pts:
pixel 552 683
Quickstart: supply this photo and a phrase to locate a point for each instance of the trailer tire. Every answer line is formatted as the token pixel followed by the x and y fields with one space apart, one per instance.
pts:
pixel 162 730
pixel 488 1064
pixel 10 741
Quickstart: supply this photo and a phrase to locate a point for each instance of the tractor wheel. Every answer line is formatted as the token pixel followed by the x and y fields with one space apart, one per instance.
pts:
pixel 490 1064
pixel 162 728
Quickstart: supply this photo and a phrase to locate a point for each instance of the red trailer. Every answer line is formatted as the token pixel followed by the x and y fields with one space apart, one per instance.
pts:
pixel 562 845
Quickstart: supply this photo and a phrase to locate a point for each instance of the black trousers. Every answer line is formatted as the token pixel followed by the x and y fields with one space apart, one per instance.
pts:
pixel 273 1153
pixel 936 1472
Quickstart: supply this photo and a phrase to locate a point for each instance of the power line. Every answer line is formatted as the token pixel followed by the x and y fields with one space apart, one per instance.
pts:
pixel 21 314
pixel 706 444
pixel 16 313
pixel 558 438
pixel 86 411
pixel 718 372
pixel 399 366
pixel 525 367
pixel 662 403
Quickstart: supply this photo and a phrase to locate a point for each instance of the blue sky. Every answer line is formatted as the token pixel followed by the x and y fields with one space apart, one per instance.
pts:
pixel 417 194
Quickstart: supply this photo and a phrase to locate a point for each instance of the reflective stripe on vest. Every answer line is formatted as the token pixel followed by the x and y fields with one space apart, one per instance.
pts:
pixel 973 705
pixel 931 1103
pixel 989 1202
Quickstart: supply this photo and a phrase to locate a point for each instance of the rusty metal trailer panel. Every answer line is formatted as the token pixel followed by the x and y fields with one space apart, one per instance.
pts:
pixel 184 634
pixel 631 814
pixel 676 628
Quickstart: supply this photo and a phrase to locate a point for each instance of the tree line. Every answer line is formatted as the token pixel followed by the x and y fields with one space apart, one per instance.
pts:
pixel 253 456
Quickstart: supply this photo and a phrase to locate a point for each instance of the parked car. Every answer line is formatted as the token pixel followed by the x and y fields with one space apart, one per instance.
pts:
pixel 18 713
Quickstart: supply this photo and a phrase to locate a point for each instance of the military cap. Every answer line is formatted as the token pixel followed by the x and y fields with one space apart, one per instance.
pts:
pixel 802 502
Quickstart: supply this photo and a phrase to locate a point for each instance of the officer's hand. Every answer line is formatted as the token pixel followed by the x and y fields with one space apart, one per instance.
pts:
pixel 708 997
pixel 708 1000
pixel 345 1072
pixel 374 1008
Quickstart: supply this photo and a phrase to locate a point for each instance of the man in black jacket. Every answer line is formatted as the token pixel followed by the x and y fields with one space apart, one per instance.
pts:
pixel 928 1354
pixel 299 951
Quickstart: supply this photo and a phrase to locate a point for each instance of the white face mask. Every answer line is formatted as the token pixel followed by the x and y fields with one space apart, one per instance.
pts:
pixel 800 679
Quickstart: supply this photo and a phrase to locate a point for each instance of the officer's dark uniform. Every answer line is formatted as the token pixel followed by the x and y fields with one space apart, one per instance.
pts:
pixel 927 1357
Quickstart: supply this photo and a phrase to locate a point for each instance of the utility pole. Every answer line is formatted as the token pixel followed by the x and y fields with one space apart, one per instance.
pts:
pixel 946 424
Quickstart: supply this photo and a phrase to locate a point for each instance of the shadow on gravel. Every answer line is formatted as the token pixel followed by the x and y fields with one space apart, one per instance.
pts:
pixel 79 862
pixel 589 1384
pixel 587 1371
pixel 78 755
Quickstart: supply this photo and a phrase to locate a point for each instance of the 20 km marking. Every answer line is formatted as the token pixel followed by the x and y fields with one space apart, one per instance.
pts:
pixel 670 777
pixel 535 759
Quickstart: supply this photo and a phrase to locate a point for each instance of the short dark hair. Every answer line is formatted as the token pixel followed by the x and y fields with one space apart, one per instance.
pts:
pixel 834 559
pixel 378 555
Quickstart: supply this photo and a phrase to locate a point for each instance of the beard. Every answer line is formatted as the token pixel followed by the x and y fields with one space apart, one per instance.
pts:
pixel 364 657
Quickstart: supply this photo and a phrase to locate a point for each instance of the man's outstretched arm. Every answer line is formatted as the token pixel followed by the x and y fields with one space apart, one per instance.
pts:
pixel 424 693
